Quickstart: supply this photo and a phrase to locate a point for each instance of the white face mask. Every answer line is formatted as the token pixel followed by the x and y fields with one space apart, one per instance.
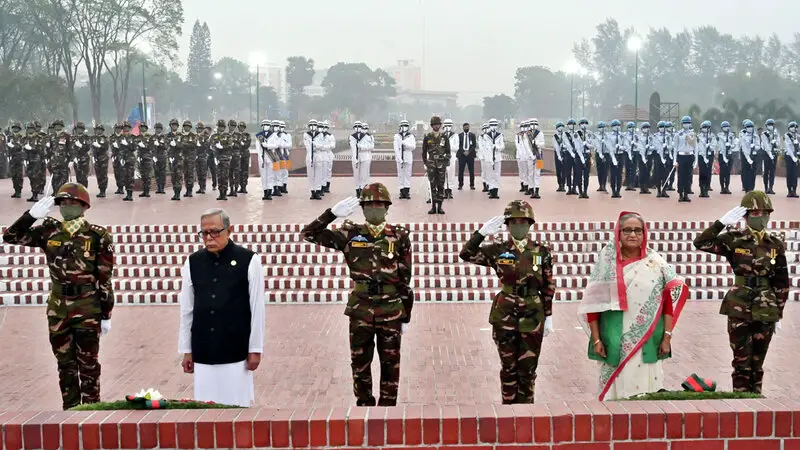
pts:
pixel 583 126
pixel 792 129
pixel 750 130
pixel 726 129
pixel 493 127
pixel 358 129
pixel 687 126
pixel 560 129
pixel 770 127
pixel 572 127
pixel 615 128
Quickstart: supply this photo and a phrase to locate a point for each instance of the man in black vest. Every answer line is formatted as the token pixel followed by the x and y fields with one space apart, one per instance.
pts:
pixel 467 150
pixel 221 331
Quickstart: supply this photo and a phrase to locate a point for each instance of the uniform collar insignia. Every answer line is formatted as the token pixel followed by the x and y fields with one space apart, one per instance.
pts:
pixel 359 238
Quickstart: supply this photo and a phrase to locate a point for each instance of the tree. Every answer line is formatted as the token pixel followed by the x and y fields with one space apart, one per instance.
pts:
pixel 299 74
pixel 498 106
pixel 358 88
pixel 198 67
pixel 540 92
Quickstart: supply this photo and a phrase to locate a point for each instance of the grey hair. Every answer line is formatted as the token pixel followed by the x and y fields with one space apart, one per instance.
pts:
pixel 631 216
pixel 226 219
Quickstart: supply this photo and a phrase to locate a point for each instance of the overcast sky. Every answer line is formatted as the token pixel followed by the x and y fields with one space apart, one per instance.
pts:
pixel 471 46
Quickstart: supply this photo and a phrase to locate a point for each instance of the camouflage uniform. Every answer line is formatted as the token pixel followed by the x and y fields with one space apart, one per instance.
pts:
pixel 175 159
pixel 223 157
pixel 60 158
pixel 519 310
pixel 380 266
pixel 100 153
pixel 235 142
pixel 35 161
pixel 127 145
pixel 160 156
pixel 116 159
pixel 210 160
pixel 80 154
pixel 145 148
pixel 436 158
pixel 16 158
pixel 81 295
pixel 761 289
pixel 3 156
pixel 244 158
pixel 201 159
pixel 189 149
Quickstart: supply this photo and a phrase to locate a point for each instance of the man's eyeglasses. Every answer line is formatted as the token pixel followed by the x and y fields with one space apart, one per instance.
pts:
pixel 212 233
pixel 636 231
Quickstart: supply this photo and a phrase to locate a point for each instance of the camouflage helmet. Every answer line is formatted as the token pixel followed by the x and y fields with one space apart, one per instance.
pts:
pixel 144 126
pixel 80 126
pixel 159 126
pixel 58 122
pixel 173 122
pixel 757 200
pixel 221 123
pixel 242 124
pixel 436 120
pixel 29 126
pixel 126 124
pixel 200 125
pixel 117 126
pixel 375 192
pixel 231 123
pixel 100 126
pixel 16 125
pixel 37 124
pixel 519 209
pixel 187 123
pixel 75 191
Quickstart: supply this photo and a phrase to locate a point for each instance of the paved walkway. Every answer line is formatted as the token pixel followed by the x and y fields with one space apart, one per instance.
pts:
pixel 448 357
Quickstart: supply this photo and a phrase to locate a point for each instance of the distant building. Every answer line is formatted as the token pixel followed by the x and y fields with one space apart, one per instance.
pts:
pixel 316 89
pixel 443 99
pixel 407 75
pixel 274 78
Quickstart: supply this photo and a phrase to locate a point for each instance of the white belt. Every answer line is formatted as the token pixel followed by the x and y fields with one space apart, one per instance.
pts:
pixel 685 153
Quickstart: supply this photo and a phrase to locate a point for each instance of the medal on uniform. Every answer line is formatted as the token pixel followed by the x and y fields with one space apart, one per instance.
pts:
pixel 535 268
pixel 391 250
pixel 772 254
pixel 233 263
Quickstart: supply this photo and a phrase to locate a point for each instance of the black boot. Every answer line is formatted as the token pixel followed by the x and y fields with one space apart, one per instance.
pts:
pixel 267 195
pixel 119 191
pixel 792 193
pixel 327 187
pixel 284 189
pixel 560 188
pixel 128 197
pixel 222 195
pixel 189 189
pixel 202 190
pixel 160 189
pixel 176 194
pixel 493 194
pixel 313 195
pixel 433 208
pixel 584 194
pixel 448 194
pixel 536 193
pixel 439 209
pixel 145 193
pixel 408 193
pixel 485 187
pixel 703 192
pixel 615 194
pixel 233 192
pixel 522 187
pixel 102 194
pixel 242 190
pixel 34 197
pixel 276 192
pixel 572 191
pixel 17 194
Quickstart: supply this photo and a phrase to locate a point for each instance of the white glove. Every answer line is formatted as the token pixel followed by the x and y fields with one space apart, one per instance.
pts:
pixel 27 146
pixel 216 161
pixel 404 327
pixel 778 327
pixel 198 144
pixel 345 207
pixel 733 216
pixel 695 164
pixel 124 142
pixel 218 145
pixel 42 208
pixel 141 144
pixel 96 145
pixel 155 159
pixel 172 142
pixel 548 325
pixel 11 145
pixel 492 226
pixel 105 327
pixel 116 145
pixel 78 144
pixel 157 143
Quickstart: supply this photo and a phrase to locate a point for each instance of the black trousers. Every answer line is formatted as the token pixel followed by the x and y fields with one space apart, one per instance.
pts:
pixel 706 169
pixel 559 171
pixel 662 169
pixel 469 163
pixel 616 172
pixel 769 171
pixel 567 164
pixel 685 168
pixel 645 165
pixel 602 169
pixel 791 173
pixel 576 175
pixel 586 170
pixel 630 170
pixel 725 172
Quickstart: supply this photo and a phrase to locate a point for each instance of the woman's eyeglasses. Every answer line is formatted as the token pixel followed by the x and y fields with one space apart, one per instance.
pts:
pixel 636 231
pixel 212 233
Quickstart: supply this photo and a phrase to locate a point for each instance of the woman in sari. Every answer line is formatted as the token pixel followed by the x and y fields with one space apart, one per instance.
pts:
pixel 629 308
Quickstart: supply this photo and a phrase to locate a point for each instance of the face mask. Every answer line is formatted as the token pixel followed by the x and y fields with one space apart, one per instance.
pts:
pixel 71 212
pixel 793 129
pixel 560 129
pixel 687 126
pixel 583 127
pixel 770 127
pixel 375 215
pixel 758 223
pixel 750 130
pixel 494 127
pixel 572 127
pixel 519 230
pixel 726 129
pixel 616 128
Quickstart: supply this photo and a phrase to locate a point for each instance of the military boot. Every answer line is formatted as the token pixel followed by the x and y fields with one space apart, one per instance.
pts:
pixel 222 195
pixel 145 193
pixel 408 193
pixel 522 187
pixel 34 197
pixel 276 192
pixel 583 194
pixel 703 192
pixel 102 194
pixel 327 188
pixel 433 208
pixel 128 196
pixel 242 190
pixel 284 189
pixel 792 193
pixel 536 193
pixel 560 188
pixel 17 194
pixel 177 194
pixel 313 195
pixel 160 189
pixel 232 192
pixel 267 195
pixel 485 187
pixel 493 194
pixel 358 193
pixel 439 209
pixel 189 191
pixel 201 190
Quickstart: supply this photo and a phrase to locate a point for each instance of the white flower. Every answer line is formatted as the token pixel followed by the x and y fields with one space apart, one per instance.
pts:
pixel 150 394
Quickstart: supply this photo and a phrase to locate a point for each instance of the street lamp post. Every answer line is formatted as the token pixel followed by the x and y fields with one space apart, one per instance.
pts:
pixel 572 67
pixel 258 59
pixel 634 44
pixel 144 97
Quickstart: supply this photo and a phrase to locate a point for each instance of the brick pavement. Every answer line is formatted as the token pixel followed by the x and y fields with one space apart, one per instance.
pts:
pixel 448 357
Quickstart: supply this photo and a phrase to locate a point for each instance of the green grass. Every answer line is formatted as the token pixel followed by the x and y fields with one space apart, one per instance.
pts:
pixel 686 395
pixel 125 405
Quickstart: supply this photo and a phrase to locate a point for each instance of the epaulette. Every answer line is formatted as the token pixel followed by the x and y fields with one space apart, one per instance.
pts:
pixel 544 244
pixel 51 222
pixel 349 225
pixel 98 229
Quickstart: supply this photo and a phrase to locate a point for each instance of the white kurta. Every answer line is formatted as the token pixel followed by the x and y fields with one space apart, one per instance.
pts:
pixel 230 384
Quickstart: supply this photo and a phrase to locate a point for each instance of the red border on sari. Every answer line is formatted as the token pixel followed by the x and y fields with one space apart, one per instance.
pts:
pixel 623 300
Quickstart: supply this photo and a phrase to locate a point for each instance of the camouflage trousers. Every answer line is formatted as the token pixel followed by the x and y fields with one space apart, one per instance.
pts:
pixel 161 170
pixel 37 176
pixel 129 173
pixel 15 168
pixel 519 358
pixel 82 171
pixel 233 171
pixel 363 336
pixel 176 173
pixel 146 173
pixel 244 168
pixel 189 169
pixel 201 166
pixel 223 170
pixel 60 173
pixel 119 173
pixel 749 341
pixel 436 177
pixel 101 172
pixel 76 344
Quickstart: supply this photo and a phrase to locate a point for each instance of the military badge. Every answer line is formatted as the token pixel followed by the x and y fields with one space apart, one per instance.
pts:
pixel 506 259
pixel 359 242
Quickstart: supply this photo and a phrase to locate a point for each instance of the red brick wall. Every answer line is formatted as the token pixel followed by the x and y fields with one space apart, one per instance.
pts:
pixel 706 425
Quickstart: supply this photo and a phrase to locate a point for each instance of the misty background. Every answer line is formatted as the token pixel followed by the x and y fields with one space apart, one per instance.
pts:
pixel 94 60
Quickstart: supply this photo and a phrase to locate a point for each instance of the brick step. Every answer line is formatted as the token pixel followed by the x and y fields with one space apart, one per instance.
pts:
pixel 343 282
pixel 34 258
pixel 341 270
pixel 296 247
pixel 696 225
pixel 24 298
pixel 417 237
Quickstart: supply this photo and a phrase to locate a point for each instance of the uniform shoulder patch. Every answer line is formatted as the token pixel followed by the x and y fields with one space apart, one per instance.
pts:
pixel 98 229
pixel 545 245
pixel 348 225
pixel 51 222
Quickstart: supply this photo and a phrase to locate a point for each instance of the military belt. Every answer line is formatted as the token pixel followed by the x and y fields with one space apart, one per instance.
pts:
pixel 753 282
pixel 373 288
pixel 523 291
pixel 72 290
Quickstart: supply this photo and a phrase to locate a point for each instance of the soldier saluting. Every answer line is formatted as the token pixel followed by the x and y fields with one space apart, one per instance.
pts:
pixel 379 258
pixel 80 257
pixel 754 305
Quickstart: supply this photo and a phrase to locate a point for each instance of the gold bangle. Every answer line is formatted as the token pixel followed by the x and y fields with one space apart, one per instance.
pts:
pixel 596 342
pixel 668 333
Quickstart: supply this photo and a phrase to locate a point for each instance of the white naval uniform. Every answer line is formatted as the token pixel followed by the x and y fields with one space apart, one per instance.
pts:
pixel 265 162
pixel 537 137
pixel 286 149
pixel 404 157
pixel 230 384
pixel 495 144
pixel 330 144
pixel 362 158
pixel 451 177
pixel 313 141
